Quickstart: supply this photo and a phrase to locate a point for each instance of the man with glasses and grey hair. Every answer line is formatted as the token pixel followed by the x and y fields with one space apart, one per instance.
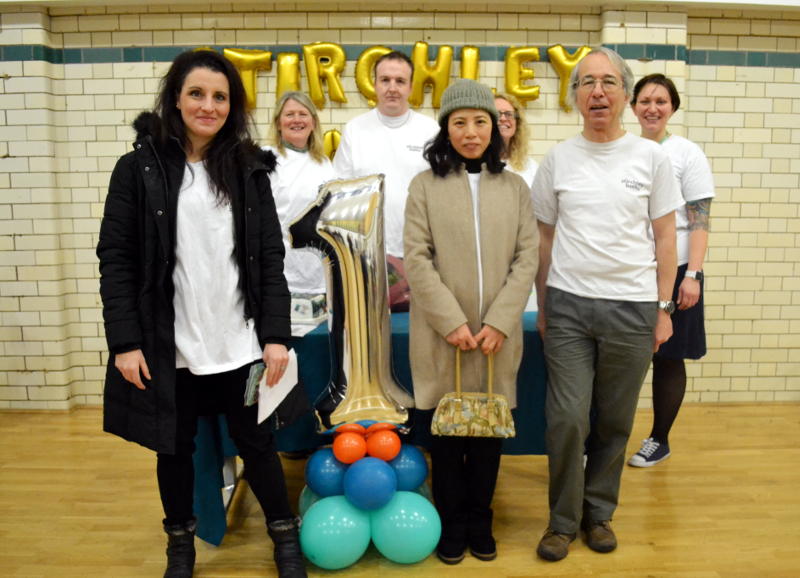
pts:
pixel 605 204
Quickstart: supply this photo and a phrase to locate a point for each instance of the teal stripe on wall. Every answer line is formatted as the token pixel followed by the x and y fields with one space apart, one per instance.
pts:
pixel 24 53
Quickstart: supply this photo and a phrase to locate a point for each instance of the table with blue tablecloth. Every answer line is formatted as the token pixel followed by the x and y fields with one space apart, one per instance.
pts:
pixel 314 360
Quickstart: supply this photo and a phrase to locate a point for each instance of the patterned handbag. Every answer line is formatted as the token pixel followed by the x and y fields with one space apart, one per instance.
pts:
pixel 473 414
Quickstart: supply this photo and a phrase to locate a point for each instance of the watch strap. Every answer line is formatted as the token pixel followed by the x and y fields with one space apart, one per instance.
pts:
pixel 667 306
pixel 696 275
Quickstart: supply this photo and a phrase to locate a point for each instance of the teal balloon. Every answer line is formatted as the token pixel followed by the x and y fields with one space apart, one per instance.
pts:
pixel 407 529
pixel 334 533
pixel 307 499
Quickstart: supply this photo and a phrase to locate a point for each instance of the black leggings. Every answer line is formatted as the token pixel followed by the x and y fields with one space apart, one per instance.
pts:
pixel 669 387
pixel 464 477
pixel 197 395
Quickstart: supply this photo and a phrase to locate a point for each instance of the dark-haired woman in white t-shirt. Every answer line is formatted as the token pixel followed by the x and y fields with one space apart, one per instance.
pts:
pixel 655 99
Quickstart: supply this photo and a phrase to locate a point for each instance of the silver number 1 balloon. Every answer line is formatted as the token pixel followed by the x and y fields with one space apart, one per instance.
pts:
pixel 346 223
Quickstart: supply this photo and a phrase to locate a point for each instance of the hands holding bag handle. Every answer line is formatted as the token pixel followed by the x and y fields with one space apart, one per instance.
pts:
pixel 488 338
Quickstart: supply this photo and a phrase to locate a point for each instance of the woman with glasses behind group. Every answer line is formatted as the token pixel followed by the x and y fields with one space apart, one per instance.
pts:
pixel 604 287
pixel 514 130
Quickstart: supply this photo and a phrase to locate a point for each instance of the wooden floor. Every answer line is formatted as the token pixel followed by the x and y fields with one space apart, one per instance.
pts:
pixel 77 502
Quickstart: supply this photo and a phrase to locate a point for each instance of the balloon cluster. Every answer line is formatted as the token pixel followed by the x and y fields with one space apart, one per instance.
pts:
pixel 368 486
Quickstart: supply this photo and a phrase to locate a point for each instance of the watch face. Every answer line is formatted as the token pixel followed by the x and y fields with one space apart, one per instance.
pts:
pixel 668 306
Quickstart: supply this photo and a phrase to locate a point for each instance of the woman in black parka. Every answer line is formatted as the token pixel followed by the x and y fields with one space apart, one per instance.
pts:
pixel 191 277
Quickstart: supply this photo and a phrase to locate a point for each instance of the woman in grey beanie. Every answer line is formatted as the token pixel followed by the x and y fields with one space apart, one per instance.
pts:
pixel 471 253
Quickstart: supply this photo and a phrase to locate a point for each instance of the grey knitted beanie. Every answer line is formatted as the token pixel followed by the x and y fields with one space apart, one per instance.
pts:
pixel 466 93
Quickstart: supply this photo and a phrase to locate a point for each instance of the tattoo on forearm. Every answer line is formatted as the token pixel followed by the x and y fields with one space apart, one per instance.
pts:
pixel 697 213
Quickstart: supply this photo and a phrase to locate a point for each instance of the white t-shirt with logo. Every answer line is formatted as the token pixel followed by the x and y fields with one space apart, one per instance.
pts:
pixel 373 143
pixel 211 333
pixel 602 197
pixel 695 181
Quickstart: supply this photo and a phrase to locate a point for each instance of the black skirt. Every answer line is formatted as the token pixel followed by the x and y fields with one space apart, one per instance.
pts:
pixel 688 339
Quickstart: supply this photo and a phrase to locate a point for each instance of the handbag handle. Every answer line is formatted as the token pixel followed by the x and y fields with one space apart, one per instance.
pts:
pixel 490 361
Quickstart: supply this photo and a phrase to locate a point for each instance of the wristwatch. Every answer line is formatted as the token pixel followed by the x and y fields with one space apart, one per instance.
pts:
pixel 696 275
pixel 668 306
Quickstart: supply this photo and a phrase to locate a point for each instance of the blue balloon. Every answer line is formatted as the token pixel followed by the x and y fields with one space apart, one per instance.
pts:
pixel 369 483
pixel 407 529
pixel 325 474
pixel 410 467
pixel 334 534
pixel 307 499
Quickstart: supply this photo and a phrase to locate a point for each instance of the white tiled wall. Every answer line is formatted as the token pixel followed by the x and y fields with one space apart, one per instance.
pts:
pixel 62 127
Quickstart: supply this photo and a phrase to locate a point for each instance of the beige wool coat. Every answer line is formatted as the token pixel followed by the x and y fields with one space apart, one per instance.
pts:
pixel 441 263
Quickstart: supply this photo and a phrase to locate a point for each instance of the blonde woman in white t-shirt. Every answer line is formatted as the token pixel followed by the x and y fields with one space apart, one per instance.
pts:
pixel 302 167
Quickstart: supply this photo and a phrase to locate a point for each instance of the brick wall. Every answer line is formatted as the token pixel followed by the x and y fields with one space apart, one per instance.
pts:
pixel 72 79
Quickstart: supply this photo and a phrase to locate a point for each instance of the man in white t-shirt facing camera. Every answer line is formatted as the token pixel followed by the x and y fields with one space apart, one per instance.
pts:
pixel 389 139
pixel 605 203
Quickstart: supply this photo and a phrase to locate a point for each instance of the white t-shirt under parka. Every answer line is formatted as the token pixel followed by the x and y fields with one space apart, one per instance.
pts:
pixel 211 333
pixel 601 197
pixel 373 143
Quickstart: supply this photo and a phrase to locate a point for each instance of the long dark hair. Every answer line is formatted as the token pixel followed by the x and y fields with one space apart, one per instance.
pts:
pixel 232 140
pixel 444 159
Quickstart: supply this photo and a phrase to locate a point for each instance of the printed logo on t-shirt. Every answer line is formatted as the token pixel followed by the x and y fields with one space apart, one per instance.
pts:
pixel 414 148
pixel 632 184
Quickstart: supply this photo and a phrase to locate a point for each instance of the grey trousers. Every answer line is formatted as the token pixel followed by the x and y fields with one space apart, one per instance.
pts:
pixel 597 353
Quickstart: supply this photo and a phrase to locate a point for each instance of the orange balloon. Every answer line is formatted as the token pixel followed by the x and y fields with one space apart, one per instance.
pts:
pixel 383 444
pixel 349 447
pixel 380 426
pixel 352 428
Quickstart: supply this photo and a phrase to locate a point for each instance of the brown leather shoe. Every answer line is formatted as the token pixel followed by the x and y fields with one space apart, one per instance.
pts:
pixel 599 535
pixel 554 546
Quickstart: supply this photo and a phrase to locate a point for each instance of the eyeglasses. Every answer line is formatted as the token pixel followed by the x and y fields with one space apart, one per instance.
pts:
pixel 608 83
pixel 509 114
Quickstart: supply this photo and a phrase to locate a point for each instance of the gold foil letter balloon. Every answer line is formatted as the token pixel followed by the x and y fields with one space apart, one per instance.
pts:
pixel 288 72
pixel 437 75
pixel 564 62
pixel 330 142
pixel 346 222
pixel 248 62
pixel 470 59
pixel 516 72
pixel 324 60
